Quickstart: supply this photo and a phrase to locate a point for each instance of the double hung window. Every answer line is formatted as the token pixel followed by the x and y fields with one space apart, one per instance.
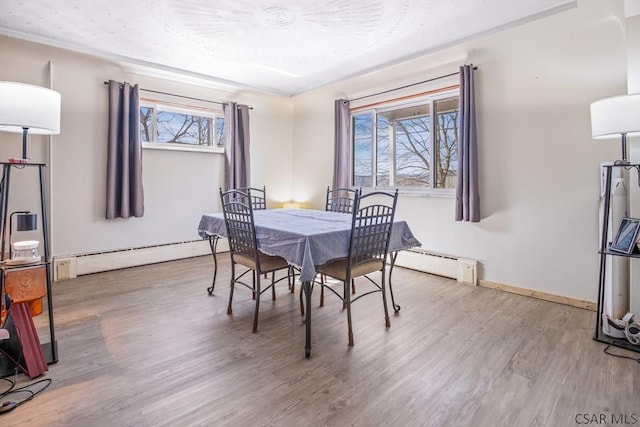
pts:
pixel 410 145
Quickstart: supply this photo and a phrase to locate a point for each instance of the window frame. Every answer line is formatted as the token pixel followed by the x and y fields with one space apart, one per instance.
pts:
pixel 385 106
pixel 159 106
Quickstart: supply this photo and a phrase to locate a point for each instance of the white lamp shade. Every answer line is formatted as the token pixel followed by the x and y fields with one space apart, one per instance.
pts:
pixel 28 106
pixel 611 117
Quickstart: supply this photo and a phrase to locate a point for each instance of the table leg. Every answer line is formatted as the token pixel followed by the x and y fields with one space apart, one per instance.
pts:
pixel 213 242
pixel 306 288
pixel 393 256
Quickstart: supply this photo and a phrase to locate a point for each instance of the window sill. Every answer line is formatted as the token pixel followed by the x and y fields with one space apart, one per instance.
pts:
pixel 169 147
pixel 409 192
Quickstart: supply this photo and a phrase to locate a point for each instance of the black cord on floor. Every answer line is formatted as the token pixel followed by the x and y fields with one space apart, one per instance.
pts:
pixel 619 355
pixel 24 390
pixel 12 382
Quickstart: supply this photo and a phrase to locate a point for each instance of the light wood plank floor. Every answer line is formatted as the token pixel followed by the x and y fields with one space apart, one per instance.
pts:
pixel 147 346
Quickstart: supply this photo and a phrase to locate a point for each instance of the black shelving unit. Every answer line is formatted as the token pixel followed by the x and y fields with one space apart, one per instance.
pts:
pixel 604 253
pixel 49 348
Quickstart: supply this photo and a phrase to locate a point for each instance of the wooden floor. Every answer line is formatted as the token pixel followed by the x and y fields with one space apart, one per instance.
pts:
pixel 147 346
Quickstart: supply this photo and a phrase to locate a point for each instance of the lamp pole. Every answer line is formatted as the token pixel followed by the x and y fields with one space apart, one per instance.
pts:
pixel 25 143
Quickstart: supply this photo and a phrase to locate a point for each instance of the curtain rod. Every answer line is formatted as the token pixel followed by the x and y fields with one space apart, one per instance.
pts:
pixel 180 96
pixel 406 86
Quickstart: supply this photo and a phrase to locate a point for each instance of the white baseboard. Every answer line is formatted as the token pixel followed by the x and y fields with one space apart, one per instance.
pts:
pixel 68 267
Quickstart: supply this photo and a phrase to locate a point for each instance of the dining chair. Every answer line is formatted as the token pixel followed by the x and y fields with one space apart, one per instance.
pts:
pixel 340 200
pixel 243 246
pixel 258 196
pixel 371 223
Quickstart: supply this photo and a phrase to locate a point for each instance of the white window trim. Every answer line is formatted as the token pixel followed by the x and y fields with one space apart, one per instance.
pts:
pixel 167 146
pixel 391 105
pixel 180 147
pixel 445 193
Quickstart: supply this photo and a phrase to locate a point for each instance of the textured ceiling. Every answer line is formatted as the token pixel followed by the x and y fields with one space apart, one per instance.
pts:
pixel 281 46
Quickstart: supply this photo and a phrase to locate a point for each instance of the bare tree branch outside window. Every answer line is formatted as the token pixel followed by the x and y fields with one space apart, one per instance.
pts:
pixel 363 150
pixel 408 152
pixel 447 152
pixel 146 124
pixel 413 152
pixel 181 128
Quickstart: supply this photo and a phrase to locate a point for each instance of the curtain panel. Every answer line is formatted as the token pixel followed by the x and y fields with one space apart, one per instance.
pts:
pixel 125 196
pixel 467 193
pixel 342 145
pixel 237 161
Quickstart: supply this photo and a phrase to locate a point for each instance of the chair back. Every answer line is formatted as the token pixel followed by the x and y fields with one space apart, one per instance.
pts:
pixel 258 196
pixel 373 216
pixel 340 200
pixel 238 219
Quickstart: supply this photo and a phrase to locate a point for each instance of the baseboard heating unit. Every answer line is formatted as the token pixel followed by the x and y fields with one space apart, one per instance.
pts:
pixel 464 270
pixel 68 267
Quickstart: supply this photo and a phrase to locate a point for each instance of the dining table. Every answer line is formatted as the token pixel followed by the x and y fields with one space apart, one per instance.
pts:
pixel 306 238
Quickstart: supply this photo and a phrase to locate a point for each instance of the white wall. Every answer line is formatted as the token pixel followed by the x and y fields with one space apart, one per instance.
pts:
pixel 539 165
pixel 178 186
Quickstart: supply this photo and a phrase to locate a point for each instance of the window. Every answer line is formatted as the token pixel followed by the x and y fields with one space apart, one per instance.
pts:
pixel 407 145
pixel 176 128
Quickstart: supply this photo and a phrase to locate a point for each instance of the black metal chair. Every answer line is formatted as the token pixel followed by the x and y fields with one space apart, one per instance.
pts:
pixel 371 225
pixel 243 246
pixel 258 201
pixel 258 196
pixel 340 200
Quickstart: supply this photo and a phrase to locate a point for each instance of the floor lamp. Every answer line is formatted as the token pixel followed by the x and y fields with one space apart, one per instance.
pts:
pixel 616 117
pixel 28 109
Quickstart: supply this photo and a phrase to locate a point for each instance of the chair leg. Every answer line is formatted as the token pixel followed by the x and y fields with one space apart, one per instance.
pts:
pixel 273 286
pixel 348 304
pixel 396 307
pixel 345 287
pixel 387 322
pixel 231 287
pixel 301 303
pixel 253 284
pixel 353 286
pixel 292 279
pixel 322 277
pixel 213 243
pixel 255 316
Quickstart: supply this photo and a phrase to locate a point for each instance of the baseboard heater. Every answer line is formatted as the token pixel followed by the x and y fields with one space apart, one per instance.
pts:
pixel 67 267
pixel 71 266
pixel 462 269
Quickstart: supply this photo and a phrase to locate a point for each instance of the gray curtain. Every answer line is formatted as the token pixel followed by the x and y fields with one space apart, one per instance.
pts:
pixel 342 145
pixel 125 197
pixel 467 194
pixel 237 164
